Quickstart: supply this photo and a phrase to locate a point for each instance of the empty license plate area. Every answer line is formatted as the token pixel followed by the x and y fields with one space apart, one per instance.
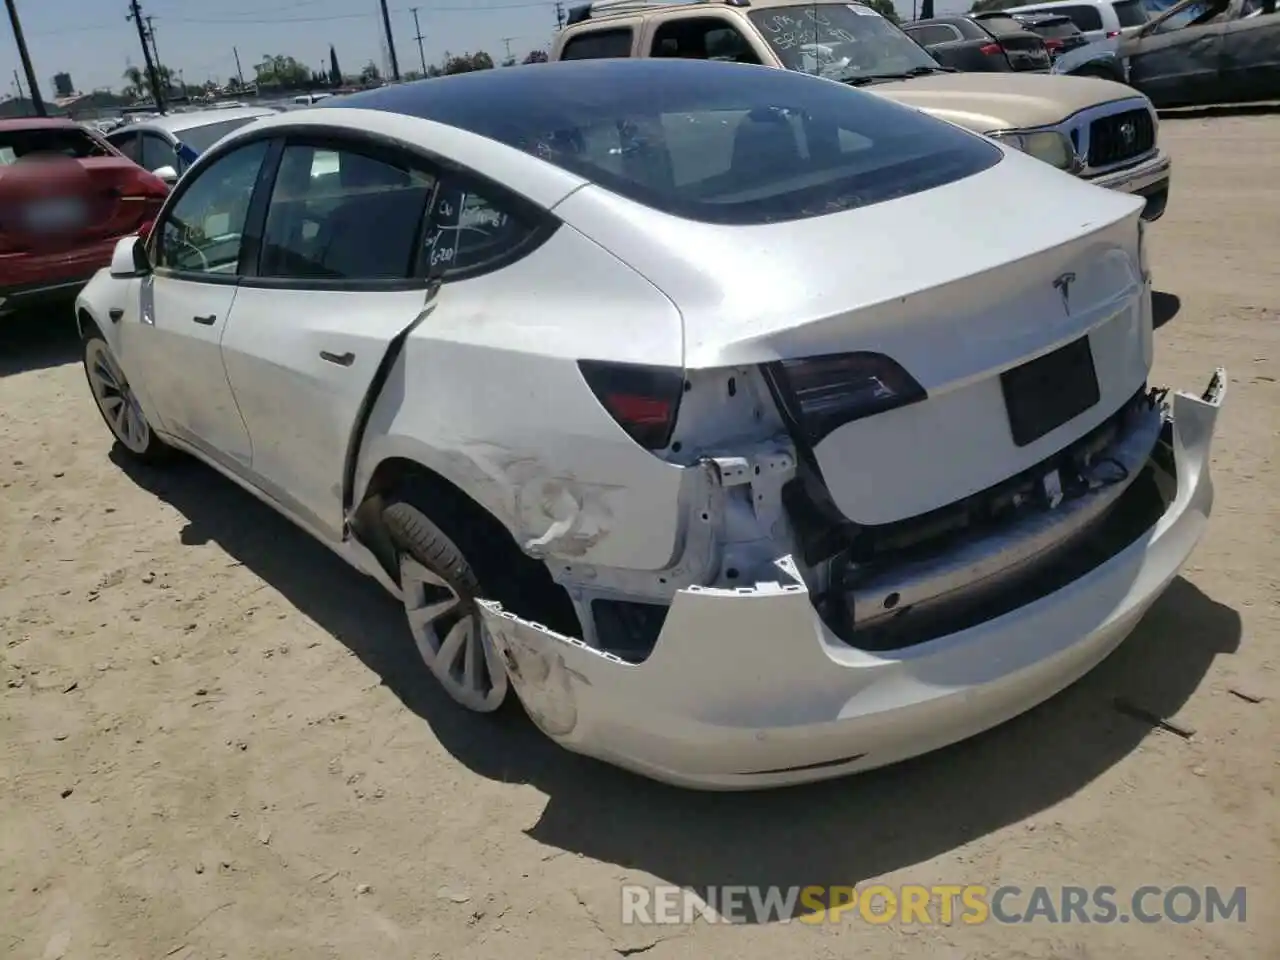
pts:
pixel 62 213
pixel 1050 390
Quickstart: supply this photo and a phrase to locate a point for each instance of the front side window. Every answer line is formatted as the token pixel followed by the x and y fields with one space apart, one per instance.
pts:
pixel 598 45
pixel 129 144
pixel 729 144
pixel 203 231
pixel 157 152
pixel 337 214
pixel 840 41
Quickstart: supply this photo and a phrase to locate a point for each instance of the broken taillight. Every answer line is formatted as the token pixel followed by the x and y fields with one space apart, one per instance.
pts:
pixel 642 399
pixel 819 394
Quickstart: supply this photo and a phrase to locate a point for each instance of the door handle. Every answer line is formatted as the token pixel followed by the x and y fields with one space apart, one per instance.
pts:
pixel 208 321
pixel 341 359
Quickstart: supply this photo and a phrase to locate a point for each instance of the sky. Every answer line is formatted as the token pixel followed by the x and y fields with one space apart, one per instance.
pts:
pixel 94 42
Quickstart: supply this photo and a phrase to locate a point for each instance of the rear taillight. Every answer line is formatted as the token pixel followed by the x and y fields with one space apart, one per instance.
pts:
pixel 1053 45
pixel 819 394
pixel 643 400
pixel 991 50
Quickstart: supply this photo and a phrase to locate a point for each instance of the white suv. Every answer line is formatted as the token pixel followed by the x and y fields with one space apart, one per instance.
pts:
pixel 1097 19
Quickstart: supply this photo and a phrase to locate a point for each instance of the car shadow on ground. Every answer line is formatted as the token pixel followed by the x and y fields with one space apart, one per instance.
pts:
pixel 1164 307
pixel 840 832
pixel 38 339
pixel 1220 110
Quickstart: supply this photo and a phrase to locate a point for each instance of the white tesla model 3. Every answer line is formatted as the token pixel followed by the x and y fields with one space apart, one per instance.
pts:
pixel 754 429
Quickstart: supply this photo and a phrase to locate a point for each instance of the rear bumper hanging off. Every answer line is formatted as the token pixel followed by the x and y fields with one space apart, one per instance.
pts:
pixel 748 688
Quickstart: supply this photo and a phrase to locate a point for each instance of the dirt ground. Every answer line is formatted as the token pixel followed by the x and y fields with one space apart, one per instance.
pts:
pixel 214 744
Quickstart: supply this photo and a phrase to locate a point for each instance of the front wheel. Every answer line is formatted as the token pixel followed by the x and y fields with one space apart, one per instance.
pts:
pixel 440 590
pixel 118 404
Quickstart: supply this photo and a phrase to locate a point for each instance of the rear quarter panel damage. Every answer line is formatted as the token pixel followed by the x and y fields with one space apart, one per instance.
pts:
pixel 487 393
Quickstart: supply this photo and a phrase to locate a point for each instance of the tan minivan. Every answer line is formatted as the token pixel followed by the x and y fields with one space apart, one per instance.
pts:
pixel 1102 131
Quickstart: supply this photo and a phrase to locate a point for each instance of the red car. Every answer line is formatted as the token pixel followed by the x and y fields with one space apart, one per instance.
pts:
pixel 66 197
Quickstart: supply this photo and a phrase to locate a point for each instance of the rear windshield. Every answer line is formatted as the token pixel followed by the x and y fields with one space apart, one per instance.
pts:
pixel 724 143
pixel 64 141
pixel 1055 29
pixel 1003 25
pixel 201 139
pixel 1130 13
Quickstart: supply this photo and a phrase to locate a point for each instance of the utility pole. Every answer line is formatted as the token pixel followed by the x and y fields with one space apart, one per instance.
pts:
pixel 33 85
pixel 391 43
pixel 418 30
pixel 155 52
pixel 507 42
pixel 239 72
pixel 559 15
pixel 153 76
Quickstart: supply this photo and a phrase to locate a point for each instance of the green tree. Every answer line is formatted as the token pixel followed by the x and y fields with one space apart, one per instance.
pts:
pixel 536 56
pixel 985 6
pixel 280 71
pixel 370 73
pixel 335 74
pixel 468 62
pixel 138 84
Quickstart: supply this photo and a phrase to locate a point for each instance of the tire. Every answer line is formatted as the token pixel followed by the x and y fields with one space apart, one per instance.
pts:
pixel 116 402
pixel 440 590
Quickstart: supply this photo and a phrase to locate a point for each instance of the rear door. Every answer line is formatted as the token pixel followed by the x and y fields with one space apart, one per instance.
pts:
pixel 66 190
pixel 1251 58
pixel 338 283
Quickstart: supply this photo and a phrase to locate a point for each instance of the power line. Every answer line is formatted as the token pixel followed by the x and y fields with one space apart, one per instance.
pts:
pixel 232 21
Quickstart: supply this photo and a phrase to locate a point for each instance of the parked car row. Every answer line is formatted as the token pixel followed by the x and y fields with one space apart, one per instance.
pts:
pixel 1195 52
pixel 728 415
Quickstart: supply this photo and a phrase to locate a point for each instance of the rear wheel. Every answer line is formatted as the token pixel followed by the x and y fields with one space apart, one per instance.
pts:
pixel 117 402
pixel 440 589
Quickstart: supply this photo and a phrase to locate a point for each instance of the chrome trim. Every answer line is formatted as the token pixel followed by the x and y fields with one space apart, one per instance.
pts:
pixel 1081 122
pixel 984 563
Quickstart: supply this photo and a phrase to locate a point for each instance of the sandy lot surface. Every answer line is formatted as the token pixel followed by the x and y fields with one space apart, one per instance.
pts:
pixel 213 742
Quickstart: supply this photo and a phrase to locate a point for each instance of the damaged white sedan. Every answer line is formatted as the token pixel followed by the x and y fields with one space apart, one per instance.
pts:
pixel 745 424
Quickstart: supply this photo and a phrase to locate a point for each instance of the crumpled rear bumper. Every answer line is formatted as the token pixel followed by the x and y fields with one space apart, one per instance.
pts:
pixel 747 688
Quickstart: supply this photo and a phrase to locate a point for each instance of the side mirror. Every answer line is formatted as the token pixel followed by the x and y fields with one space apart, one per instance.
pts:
pixel 129 259
pixel 166 173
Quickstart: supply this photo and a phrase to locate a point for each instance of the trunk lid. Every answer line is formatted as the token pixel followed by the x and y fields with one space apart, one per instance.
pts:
pixel 956 285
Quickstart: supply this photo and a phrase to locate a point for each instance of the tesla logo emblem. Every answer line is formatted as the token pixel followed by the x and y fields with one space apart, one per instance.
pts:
pixel 1128 133
pixel 1063 286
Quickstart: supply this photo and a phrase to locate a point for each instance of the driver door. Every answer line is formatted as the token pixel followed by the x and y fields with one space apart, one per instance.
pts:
pixel 1178 65
pixel 175 338
pixel 1251 58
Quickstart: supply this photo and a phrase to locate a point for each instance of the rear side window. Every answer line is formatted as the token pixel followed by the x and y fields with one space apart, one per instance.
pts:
pixel 1055 29
pixel 341 215
pixel 474 230
pixel 598 45
pixel 129 145
pixel 49 141
pixel 1130 13
pixel 733 144
pixel 935 33
pixel 1086 18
